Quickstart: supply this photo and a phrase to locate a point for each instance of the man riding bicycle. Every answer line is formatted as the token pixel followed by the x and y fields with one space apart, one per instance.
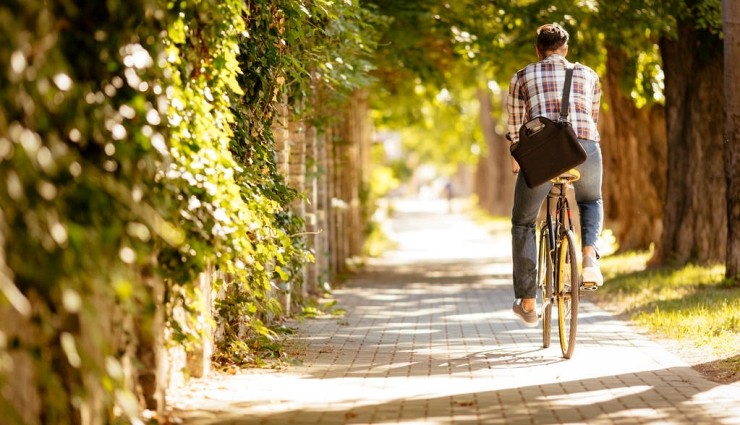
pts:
pixel 535 91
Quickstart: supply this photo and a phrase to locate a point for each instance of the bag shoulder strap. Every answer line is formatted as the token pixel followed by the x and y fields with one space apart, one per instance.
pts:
pixel 564 102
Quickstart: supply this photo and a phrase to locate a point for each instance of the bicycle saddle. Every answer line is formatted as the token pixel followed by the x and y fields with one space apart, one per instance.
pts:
pixel 567 177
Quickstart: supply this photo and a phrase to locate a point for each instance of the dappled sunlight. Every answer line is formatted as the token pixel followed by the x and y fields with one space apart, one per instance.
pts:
pixel 587 398
pixel 281 396
pixel 644 414
pixel 421 236
pixel 431 340
pixel 419 312
pixel 412 331
pixel 473 317
pixel 385 297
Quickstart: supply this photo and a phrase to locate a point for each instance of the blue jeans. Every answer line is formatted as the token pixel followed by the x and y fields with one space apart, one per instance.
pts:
pixel 527 204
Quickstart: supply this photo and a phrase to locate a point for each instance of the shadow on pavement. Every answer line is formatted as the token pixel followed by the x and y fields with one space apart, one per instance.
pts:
pixel 429 338
pixel 611 399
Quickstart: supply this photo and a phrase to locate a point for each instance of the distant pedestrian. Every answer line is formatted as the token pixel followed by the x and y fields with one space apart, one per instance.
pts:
pixel 535 91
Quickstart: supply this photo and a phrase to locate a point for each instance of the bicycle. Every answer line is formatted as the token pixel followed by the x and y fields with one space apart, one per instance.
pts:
pixel 555 285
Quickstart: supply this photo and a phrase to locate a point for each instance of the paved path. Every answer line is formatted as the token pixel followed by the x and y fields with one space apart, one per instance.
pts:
pixel 428 338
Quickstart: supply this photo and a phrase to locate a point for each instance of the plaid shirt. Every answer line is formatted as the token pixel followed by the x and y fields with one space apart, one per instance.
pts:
pixel 536 91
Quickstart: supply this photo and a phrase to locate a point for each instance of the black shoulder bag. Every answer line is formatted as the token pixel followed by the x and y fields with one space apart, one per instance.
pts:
pixel 546 148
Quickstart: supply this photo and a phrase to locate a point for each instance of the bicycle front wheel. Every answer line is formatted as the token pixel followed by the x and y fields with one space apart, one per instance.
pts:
pixel 567 293
pixel 544 284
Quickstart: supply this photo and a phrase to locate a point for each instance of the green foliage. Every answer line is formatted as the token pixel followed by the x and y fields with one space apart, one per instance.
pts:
pixel 432 93
pixel 135 149
pixel 326 51
pixel 448 132
pixel 377 242
pixel 229 64
pixel 414 44
pixel 636 26
pixel 322 308
pixel 81 137
pixel 289 47
pixel 499 36
pixel 231 199
pixel 475 41
pixel 708 15
pixel 480 40
pixel 648 83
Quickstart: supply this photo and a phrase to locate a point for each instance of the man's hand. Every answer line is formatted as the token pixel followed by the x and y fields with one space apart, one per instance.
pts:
pixel 514 166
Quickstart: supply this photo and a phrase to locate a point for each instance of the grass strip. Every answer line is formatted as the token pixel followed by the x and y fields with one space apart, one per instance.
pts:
pixel 692 305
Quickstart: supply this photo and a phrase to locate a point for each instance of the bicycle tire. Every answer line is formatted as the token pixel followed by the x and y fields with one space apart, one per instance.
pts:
pixel 567 293
pixel 544 285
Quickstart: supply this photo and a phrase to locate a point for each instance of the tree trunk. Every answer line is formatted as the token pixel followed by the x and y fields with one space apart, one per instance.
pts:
pixel 297 286
pixel 485 181
pixel 494 180
pixel 695 223
pixel 731 16
pixel 482 183
pixel 313 237
pixel 323 208
pixel 358 137
pixel 634 152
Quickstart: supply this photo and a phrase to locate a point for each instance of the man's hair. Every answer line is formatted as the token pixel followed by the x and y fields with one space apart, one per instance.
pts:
pixel 551 37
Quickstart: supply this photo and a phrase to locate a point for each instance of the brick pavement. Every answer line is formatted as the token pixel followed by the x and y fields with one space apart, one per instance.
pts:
pixel 428 338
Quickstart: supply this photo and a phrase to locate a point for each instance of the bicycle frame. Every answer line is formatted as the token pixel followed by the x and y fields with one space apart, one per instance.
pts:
pixel 557 281
pixel 556 219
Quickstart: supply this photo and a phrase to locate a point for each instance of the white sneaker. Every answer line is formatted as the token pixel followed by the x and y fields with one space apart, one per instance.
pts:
pixel 591 271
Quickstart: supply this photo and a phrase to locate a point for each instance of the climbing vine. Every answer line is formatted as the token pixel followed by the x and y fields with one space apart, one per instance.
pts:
pixel 81 137
pixel 286 47
pixel 136 152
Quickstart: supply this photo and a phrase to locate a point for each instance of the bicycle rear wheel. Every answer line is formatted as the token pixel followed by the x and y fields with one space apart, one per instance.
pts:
pixel 567 293
pixel 544 284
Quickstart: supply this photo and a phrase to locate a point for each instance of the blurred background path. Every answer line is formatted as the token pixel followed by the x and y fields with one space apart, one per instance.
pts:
pixel 428 338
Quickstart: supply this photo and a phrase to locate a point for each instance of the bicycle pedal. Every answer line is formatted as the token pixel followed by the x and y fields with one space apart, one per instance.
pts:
pixel 589 286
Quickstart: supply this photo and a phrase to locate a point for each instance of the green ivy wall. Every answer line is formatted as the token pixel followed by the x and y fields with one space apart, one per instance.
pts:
pixel 156 159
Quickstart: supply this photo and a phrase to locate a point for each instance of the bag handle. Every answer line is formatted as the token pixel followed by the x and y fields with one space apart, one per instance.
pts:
pixel 564 102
